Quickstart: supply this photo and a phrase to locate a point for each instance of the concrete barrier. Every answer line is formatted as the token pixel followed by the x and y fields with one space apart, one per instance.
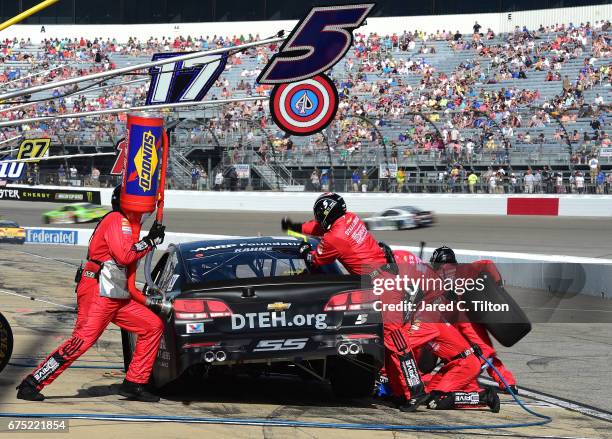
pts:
pixel 463 204
pixel 576 275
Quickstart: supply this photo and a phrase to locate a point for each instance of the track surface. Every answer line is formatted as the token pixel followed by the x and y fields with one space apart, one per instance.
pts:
pixel 590 237
pixel 570 361
pixel 566 360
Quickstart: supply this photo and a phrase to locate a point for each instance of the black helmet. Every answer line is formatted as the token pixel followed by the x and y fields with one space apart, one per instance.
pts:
pixel 328 208
pixel 115 199
pixel 443 255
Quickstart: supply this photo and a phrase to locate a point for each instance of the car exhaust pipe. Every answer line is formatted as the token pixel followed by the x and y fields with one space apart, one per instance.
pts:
pixel 221 356
pixel 343 349
pixel 354 349
pixel 209 356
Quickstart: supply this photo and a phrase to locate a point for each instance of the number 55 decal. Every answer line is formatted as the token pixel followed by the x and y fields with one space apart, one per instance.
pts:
pixel 316 44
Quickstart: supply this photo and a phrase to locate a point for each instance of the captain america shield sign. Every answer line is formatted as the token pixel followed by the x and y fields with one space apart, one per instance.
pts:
pixel 305 107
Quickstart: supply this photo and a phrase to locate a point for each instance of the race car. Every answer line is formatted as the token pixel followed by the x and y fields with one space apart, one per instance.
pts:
pixel 252 305
pixel 75 213
pixel 399 218
pixel 11 232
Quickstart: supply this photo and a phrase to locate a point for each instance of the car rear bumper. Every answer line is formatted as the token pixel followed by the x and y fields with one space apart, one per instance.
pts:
pixel 280 347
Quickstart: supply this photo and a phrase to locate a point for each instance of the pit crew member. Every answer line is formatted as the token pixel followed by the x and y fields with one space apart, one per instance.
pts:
pixel 103 297
pixel 344 237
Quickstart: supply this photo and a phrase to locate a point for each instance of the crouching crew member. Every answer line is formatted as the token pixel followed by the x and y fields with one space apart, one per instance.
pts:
pixel 102 298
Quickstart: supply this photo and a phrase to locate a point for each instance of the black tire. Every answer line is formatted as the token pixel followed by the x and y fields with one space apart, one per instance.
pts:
pixel 46 220
pixel 6 342
pixel 350 380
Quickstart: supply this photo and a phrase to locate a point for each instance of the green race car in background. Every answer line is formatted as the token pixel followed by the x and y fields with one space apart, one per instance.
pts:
pixel 75 213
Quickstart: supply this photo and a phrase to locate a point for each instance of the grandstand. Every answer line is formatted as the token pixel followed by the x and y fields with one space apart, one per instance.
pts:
pixel 436 105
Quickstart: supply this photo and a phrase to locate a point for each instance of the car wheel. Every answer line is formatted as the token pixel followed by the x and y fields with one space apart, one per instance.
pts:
pixel 6 342
pixel 349 379
pixel 46 220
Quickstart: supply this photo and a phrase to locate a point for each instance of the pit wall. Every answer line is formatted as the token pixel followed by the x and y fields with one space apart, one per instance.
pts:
pixel 445 204
pixel 578 275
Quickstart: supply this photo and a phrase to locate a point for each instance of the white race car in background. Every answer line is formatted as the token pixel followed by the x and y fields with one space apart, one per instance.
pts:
pixel 399 218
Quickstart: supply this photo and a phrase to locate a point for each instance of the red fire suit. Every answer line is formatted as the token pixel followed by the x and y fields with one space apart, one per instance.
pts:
pixel 428 329
pixel 111 241
pixel 349 241
pixel 476 333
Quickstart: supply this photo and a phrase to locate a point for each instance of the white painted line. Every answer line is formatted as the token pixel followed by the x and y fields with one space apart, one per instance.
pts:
pixel 569 405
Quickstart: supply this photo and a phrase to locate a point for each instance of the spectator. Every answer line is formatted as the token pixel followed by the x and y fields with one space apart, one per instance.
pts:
pixel 593 168
pixel 364 181
pixel 472 180
pixel 476 28
pixel 61 175
pixel 600 181
pixel 355 180
pixel 400 178
pixel 529 182
pixel 95 177
pixel 218 180
pixel 579 181
pixel 195 178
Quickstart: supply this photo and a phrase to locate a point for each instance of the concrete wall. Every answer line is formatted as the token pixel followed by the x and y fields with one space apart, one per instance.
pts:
pixel 499 22
pixel 575 275
pixel 481 204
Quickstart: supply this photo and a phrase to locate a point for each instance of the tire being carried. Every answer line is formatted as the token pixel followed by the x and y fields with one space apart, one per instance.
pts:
pixel 6 342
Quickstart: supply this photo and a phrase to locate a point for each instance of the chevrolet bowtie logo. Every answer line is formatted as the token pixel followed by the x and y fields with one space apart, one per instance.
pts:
pixel 278 306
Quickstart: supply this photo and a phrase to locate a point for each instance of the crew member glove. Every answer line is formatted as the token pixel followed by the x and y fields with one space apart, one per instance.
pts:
pixel 158 306
pixel 156 234
pixel 305 252
pixel 287 224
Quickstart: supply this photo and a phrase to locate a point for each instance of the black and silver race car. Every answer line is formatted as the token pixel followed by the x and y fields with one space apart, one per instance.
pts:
pixel 400 218
pixel 252 305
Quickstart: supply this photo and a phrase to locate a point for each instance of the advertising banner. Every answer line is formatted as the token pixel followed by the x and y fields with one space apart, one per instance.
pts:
pixel 52 236
pixel 49 195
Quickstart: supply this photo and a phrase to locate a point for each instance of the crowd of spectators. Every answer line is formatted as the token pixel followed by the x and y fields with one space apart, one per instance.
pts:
pixel 419 109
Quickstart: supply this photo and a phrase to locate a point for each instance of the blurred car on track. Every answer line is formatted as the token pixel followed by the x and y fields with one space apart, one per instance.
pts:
pixel 75 213
pixel 10 231
pixel 399 218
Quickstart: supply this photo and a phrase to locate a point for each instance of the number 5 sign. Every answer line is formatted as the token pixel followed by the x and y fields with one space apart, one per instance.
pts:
pixel 304 100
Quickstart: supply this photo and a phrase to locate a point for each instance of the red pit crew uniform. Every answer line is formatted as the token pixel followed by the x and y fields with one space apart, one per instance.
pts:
pixel 111 244
pixel 349 241
pixel 476 333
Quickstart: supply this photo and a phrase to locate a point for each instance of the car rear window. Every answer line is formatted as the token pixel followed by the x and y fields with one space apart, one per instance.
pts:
pixel 8 224
pixel 229 265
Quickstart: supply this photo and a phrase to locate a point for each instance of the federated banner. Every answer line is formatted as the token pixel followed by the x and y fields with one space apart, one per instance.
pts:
pixel 52 236
pixel 49 195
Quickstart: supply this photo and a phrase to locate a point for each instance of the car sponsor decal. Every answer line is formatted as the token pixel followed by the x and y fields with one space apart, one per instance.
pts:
pixel 305 107
pixel 194 328
pixel 260 320
pixel 289 344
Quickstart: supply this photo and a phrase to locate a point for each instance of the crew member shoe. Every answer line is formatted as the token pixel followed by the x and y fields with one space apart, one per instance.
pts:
pixel 28 392
pixel 136 392
pixel 412 404
pixel 491 399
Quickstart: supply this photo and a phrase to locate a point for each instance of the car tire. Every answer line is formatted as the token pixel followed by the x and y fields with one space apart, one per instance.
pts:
pixel 6 342
pixel 46 220
pixel 350 380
